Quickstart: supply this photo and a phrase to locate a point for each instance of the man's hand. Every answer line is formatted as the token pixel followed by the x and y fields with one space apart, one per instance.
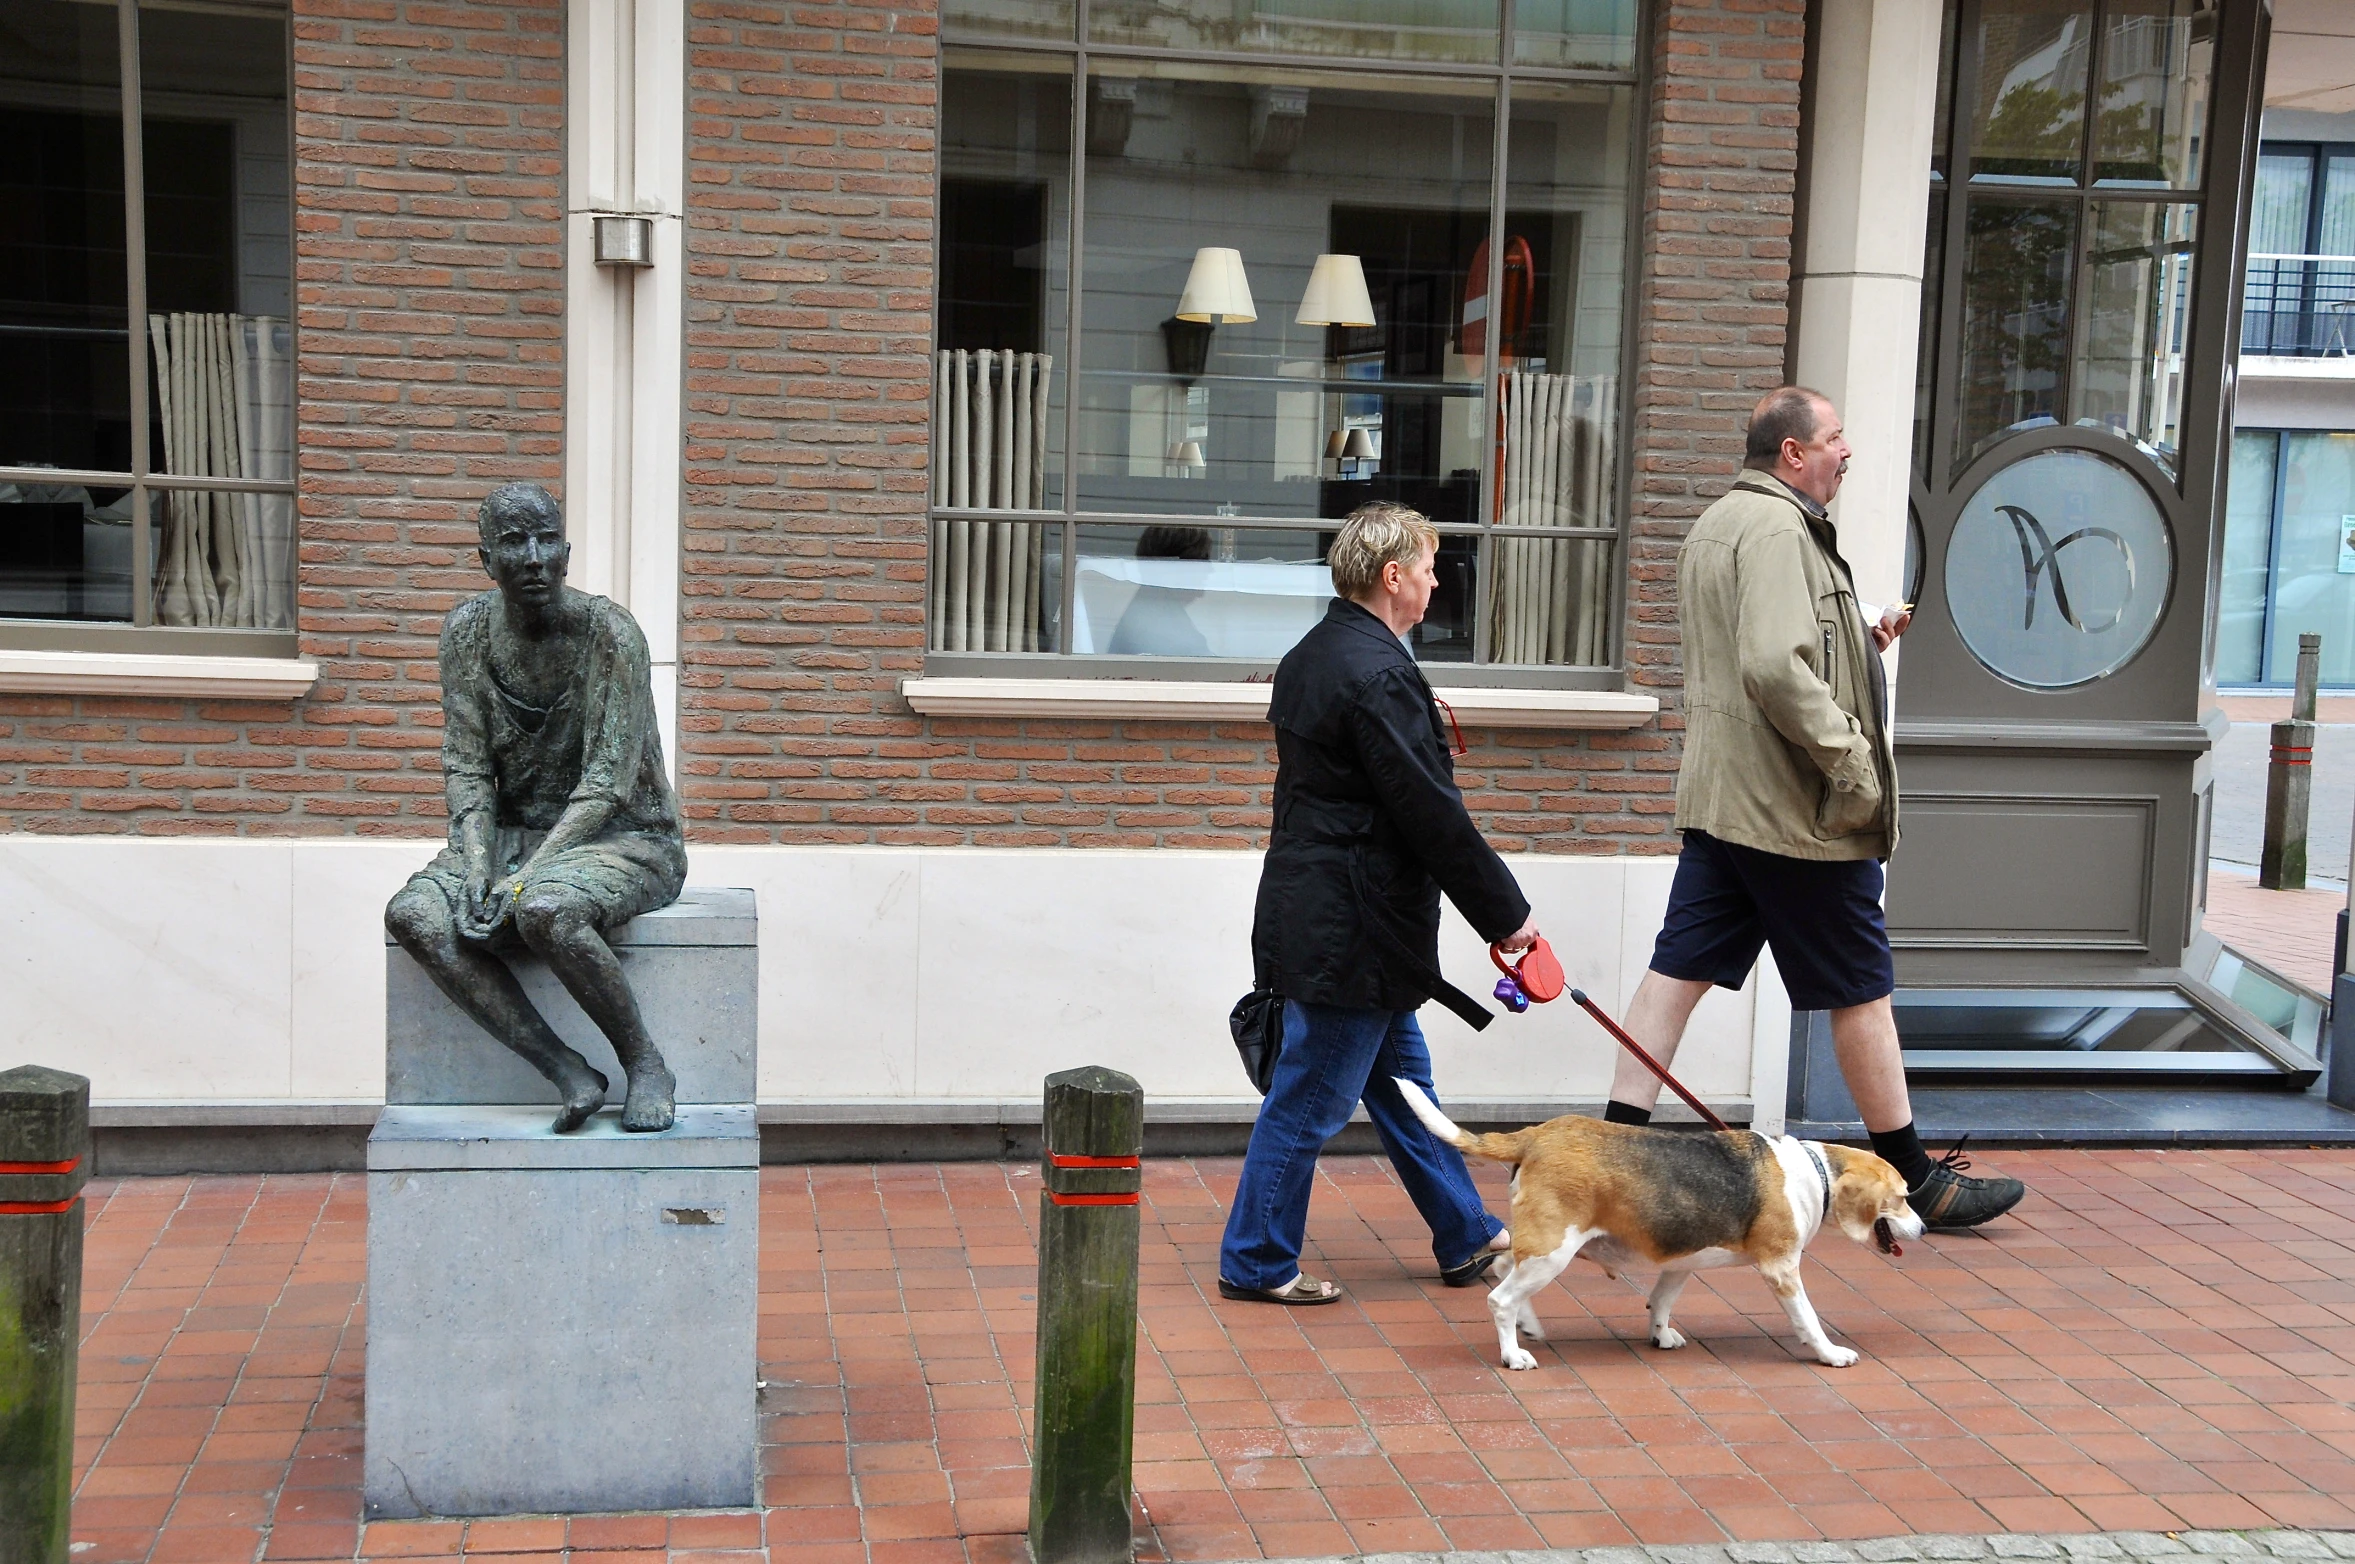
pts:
pixel 1520 939
pixel 1893 624
pixel 486 901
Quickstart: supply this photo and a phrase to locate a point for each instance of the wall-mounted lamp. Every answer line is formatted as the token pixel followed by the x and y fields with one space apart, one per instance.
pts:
pixel 1357 450
pixel 1336 294
pixel 1216 291
pixel 625 241
pixel 1186 456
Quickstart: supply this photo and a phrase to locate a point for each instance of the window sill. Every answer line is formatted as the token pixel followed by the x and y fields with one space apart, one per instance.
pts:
pixel 1191 701
pixel 132 673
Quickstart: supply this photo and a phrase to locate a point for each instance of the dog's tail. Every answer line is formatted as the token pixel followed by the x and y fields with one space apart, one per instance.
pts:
pixel 1496 1148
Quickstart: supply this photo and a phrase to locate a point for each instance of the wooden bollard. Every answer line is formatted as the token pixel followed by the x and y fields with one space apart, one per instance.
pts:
pixel 44 1161
pixel 2289 780
pixel 1085 1434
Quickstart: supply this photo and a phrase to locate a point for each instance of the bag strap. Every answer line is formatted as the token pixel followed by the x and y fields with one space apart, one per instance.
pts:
pixel 1467 1009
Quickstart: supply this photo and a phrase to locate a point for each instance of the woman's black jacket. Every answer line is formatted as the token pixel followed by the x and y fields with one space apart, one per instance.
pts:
pixel 1369 825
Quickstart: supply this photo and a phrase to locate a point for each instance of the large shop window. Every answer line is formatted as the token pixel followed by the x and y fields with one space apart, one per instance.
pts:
pixel 2289 556
pixel 1196 302
pixel 146 349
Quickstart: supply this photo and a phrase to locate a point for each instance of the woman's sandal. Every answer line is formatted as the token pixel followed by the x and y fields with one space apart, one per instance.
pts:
pixel 1472 1272
pixel 1300 1290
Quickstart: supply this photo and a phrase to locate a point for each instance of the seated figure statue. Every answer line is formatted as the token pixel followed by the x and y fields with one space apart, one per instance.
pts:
pixel 562 821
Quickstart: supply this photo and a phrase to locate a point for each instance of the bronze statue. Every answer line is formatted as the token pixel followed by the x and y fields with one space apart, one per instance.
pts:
pixel 562 820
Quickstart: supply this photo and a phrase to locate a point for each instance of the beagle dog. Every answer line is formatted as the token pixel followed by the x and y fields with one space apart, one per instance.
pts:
pixel 1623 1195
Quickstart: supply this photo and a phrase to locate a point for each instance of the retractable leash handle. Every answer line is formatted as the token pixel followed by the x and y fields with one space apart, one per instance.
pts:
pixel 1536 976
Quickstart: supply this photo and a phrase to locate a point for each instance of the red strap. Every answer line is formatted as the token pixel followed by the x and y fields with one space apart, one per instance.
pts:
pixel 53 1207
pixel 1059 1159
pixel 1128 1199
pixel 67 1166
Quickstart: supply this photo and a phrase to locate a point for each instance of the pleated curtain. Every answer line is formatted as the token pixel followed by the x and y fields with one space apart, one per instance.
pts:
pixel 1552 596
pixel 222 381
pixel 989 417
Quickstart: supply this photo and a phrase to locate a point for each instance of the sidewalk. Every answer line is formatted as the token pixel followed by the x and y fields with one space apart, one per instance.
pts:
pixel 2157 1341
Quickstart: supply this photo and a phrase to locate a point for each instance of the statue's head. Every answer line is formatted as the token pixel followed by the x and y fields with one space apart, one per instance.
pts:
pixel 523 544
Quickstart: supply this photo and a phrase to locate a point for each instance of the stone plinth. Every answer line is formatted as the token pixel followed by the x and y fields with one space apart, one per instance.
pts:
pixel 694 965
pixel 566 1323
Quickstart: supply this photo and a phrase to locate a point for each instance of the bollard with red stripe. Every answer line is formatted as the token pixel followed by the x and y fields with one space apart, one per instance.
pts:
pixel 44 1161
pixel 1092 1141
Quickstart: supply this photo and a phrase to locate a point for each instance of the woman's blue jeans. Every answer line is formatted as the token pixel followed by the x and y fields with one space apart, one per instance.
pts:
pixel 1332 1058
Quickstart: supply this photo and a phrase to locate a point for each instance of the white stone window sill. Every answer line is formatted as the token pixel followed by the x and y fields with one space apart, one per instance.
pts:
pixel 1173 700
pixel 130 673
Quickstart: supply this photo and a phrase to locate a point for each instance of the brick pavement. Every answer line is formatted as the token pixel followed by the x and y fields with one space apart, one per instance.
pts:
pixel 2156 1341
pixel 2293 932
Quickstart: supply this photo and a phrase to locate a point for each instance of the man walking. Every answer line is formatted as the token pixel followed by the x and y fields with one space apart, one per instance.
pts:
pixel 1787 797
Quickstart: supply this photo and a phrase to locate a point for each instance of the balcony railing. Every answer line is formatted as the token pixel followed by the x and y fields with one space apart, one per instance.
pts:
pixel 2300 305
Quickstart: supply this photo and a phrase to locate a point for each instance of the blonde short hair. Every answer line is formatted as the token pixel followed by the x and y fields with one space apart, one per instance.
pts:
pixel 1375 534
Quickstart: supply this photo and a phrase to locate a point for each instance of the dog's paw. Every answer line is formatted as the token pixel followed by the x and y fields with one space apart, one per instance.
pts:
pixel 1668 1338
pixel 1835 1356
pixel 1515 1358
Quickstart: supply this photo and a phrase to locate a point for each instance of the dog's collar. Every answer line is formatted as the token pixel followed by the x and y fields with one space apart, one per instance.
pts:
pixel 1823 1173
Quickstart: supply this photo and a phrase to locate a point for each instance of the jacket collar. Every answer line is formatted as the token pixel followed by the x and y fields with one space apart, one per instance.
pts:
pixel 1806 503
pixel 1364 621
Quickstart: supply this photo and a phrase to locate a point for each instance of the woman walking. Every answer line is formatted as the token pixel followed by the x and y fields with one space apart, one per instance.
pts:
pixel 1369 829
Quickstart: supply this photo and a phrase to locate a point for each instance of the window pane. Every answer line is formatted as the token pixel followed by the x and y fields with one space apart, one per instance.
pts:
pixel 1593 34
pixel 1925 364
pixel 1941 122
pixel 1288 401
pixel 2334 281
pixel 65 552
pixel 2274 294
pixel 1550 600
pixel 2154 116
pixel 1461 31
pixel 2028 117
pixel 995 586
pixel 2248 557
pixel 1197 591
pixel 65 388
pixel 2314 573
pixel 2138 322
pixel 223 559
pixel 2019 259
pixel 1004 291
pixel 1018 19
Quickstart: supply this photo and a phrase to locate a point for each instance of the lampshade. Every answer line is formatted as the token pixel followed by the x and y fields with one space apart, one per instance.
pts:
pixel 1187 453
pixel 1334 443
pixel 1359 447
pixel 1216 289
pixel 1336 294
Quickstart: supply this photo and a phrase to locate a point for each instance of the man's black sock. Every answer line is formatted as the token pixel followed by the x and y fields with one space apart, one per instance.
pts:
pixel 1616 1112
pixel 1902 1149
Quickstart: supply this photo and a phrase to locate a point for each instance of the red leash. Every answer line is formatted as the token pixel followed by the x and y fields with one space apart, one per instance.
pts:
pixel 1649 1063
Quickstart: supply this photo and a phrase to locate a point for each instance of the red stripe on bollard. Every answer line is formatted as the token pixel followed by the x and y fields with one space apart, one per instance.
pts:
pixel 67 1166
pixel 53 1207
pixel 1058 1159
pixel 1128 1199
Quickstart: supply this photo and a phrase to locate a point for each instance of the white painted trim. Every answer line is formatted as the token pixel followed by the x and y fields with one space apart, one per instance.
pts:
pixel 141 673
pixel 1175 700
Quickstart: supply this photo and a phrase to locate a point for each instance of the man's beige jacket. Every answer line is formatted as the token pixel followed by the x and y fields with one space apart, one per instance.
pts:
pixel 1786 743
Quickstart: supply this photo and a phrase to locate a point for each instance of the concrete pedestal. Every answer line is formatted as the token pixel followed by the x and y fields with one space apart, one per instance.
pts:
pixel 566 1323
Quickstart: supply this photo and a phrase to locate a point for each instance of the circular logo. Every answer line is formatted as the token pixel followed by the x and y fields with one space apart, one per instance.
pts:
pixel 2058 569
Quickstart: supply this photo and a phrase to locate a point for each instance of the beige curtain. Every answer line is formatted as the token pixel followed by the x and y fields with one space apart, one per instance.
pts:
pixel 222 385
pixel 989 421
pixel 1551 598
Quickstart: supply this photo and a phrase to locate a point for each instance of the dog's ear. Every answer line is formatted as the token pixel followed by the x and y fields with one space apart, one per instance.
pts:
pixel 1861 1186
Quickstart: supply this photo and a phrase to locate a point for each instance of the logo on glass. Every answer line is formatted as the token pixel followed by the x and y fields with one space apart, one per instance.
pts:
pixel 2058 569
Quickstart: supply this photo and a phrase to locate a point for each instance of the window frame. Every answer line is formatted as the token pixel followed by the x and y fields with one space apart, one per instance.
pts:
pixel 1070 516
pixel 141 634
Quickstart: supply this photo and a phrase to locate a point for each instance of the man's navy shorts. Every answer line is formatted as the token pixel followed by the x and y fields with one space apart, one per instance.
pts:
pixel 1823 920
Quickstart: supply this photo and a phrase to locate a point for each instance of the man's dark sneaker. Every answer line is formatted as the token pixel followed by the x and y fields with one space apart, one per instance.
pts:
pixel 1950 1199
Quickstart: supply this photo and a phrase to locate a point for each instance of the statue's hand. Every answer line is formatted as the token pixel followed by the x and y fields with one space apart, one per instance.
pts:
pixel 489 901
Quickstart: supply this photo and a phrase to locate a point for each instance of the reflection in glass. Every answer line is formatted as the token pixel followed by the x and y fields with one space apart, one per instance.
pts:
pixel 65 551
pixel 996 586
pixel 1005 211
pixel 2153 117
pixel 65 389
pixel 1242 417
pixel 2020 257
pixel 2248 557
pixel 2058 569
pixel 2138 311
pixel 2314 554
pixel 1593 34
pixel 1172 591
pixel 1456 31
pixel 1045 20
pixel 2028 108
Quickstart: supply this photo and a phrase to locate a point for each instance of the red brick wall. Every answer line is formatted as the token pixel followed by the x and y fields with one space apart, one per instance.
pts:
pixel 809 238
pixel 429 263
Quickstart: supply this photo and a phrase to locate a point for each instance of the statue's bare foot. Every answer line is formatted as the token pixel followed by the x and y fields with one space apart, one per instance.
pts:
pixel 583 1087
pixel 650 1106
